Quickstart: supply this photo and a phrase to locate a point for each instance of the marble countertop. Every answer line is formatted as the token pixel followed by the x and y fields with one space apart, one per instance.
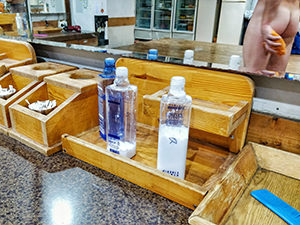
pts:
pixel 35 189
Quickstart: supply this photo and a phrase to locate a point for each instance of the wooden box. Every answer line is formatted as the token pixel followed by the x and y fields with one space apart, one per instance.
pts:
pixel 205 162
pixel 211 117
pixel 75 93
pixel 15 53
pixel 217 182
pixel 23 79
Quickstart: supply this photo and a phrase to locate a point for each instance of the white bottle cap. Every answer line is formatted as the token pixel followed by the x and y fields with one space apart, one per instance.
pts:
pixel 177 84
pixel 122 72
pixel 189 54
pixel 235 62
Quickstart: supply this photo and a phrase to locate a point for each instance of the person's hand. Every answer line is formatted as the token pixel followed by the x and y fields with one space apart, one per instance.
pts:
pixel 269 40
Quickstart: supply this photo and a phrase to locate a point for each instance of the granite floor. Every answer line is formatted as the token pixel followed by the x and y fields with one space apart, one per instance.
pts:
pixel 35 189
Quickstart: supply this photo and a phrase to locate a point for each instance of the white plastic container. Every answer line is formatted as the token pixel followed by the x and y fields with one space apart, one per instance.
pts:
pixel 175 114
pixel 121 104
pixel 20 25
pixel 235 62
pixel 188 57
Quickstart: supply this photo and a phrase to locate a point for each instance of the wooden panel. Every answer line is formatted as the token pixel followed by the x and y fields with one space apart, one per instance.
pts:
pixel 22 85
pixel 35 145
pixel 40 70
pixel 57 93
pixel 76 116
pixel 220 200
pixel 207 116
pixel 8 21
pixel 203 161
pixel 39 93
pixel 51 23
pixel 278 161
pixel 274 132
pixel 178 190
pixel 208 85
pixel 26 124
pixel 2 114
pixel 78 80
pixel 249 211
pixel 121 21
pixel 17 50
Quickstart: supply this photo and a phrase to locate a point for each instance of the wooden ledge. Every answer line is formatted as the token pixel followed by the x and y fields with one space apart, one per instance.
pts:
pixel 211 117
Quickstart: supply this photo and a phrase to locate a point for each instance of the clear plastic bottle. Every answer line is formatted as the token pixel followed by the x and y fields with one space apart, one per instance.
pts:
pixel 20 25
pixel 121 105
pixel 175 114
pixel 105 79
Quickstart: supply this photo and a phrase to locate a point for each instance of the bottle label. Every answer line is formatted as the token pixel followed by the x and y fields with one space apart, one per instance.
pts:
pixel 116 121
pixel 173 173
pixel 101 102
pixel 175 115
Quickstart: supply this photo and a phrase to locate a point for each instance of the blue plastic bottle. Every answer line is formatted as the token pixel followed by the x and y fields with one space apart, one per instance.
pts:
pixel 105 79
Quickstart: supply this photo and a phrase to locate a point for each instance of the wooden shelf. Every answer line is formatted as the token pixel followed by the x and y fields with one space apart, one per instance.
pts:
pixel 15 53
pixel 23 79
pixel 203 166
pixel 75 111
pixel 211 117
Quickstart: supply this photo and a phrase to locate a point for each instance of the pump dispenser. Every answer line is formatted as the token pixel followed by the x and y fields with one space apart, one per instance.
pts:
pixel 121 100
pixel 104 79
pixel 175 113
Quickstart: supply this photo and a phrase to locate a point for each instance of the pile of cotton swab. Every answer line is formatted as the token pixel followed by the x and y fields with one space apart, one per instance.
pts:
pixel 7 92
pixel 43 107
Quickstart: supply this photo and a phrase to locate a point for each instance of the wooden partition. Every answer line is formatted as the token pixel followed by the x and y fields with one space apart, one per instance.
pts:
pixel 228 98
pixel 213 91
pixel 76 110
pixel 15 53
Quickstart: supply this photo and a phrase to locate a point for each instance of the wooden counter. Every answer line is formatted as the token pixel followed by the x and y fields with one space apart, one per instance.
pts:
pixel 204 51
pixel 90 39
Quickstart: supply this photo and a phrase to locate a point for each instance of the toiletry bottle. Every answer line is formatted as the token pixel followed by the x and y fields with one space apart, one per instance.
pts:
pixel 121 100
pixel 152 54
pixel 188 57
pixel 19 23
pixel 105 79
pixel 175 113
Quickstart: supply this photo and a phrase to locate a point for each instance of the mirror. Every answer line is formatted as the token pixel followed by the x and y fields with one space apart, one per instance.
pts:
pixel 213 29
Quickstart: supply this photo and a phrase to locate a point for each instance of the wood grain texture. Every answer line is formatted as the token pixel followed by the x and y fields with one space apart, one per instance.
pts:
pixel 40 70
pixel 211 117
pixel 35 145
pixel 90 148
pixel 121 21
pixel 278 161
pixel 220 200
pixel 213 86
pixel 202 162
pixel 75 112
pixel 249 211
pixel 22 86
pixel 8 21
pixel 24 123
pixel 80 113
pixel 274 132
pixel 204 51
pixel 17 50
pixel 77 80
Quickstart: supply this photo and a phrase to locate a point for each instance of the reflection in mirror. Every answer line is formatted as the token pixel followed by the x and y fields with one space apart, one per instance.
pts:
pixel 214 29
pixel 14 18
pixel 269 37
